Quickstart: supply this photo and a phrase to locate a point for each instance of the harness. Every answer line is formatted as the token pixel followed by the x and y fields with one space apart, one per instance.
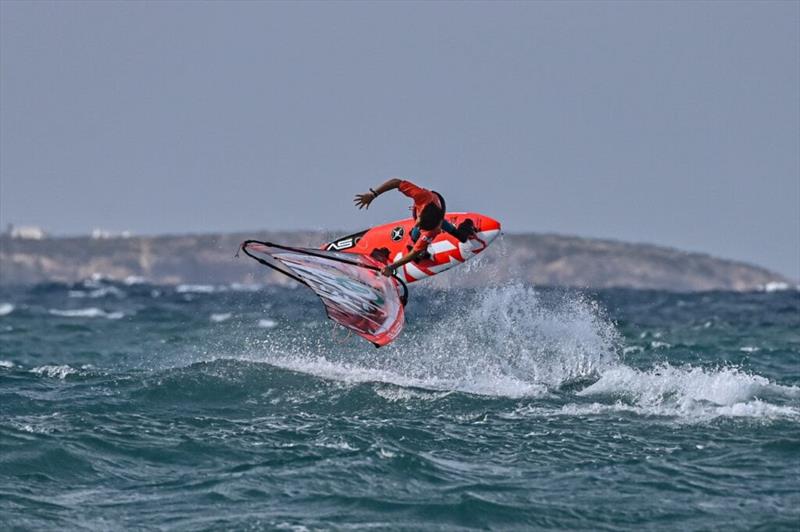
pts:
pixel 441 201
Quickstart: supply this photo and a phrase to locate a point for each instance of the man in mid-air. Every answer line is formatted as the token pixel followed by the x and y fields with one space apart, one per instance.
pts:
pixel 428 214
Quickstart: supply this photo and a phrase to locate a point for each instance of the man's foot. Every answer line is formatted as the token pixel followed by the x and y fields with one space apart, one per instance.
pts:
pixel 466 230
pixel 381 255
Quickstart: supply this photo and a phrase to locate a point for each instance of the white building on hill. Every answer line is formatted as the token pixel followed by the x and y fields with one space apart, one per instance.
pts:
pixel 30 232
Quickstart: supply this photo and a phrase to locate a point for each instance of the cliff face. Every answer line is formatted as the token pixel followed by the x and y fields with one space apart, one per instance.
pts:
pixel 537 258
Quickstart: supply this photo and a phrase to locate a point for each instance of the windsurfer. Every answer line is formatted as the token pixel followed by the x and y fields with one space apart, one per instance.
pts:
pixel 428 212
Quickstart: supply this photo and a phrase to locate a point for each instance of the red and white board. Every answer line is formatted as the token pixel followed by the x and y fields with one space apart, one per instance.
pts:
pixel 445 250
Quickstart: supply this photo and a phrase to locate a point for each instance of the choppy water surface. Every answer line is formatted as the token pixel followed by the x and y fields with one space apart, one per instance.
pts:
pixel 242 407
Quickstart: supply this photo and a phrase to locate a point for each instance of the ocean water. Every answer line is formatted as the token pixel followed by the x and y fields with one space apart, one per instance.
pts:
pixel 128 405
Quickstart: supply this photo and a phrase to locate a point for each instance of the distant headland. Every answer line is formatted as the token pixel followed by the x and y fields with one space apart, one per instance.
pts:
pixel 28 257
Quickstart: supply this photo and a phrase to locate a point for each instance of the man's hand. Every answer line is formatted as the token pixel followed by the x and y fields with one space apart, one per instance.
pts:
pixel 388 271
pixel 363 200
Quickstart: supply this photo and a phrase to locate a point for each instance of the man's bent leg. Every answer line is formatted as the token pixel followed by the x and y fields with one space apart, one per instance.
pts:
pixel 464 230
pixel 450 228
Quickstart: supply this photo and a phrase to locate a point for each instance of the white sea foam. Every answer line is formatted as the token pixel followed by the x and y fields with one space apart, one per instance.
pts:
pixel 632 349
pixel 6 309
pixel 690 392
pixel 37 424
pixel 53 371
pixel 242 287
pixel 397 394
pixel 196 289
pixel 133 280
pixel 267 323
pixel 92 312
pixel 659 345
pixel 103 291
pixel 493 385
pixel 218 318
pixel 698 413
pixel 6 364
pixel 383 453
pixel 338 445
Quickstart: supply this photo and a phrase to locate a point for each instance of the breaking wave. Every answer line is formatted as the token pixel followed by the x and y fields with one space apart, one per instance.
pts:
pixel 513 342
pixel 507 343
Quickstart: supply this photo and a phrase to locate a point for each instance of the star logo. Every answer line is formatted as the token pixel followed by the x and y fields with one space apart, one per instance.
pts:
pixel 397 233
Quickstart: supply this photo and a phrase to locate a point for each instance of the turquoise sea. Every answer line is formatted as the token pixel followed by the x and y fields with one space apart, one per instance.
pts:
pixel 135 406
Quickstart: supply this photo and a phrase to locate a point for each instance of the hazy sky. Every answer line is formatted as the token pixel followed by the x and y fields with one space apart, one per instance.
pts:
pixel 670 123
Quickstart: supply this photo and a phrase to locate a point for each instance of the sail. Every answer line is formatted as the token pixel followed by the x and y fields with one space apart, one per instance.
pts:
pixel 351 287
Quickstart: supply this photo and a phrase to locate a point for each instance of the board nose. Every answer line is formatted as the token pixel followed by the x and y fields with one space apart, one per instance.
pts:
pixel 486 223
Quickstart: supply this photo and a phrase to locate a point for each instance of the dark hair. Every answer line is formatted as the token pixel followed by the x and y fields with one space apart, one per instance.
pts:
pixel 430 217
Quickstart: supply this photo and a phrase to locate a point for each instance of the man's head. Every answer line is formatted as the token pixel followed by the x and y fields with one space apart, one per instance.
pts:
pixel 430 217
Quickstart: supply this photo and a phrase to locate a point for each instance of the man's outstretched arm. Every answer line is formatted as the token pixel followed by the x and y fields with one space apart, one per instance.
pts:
pixel 390 269
pixel 363 200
